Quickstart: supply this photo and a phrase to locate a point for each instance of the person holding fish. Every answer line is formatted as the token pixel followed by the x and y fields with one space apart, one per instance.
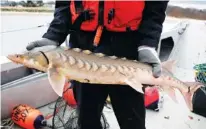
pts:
pixel 130 29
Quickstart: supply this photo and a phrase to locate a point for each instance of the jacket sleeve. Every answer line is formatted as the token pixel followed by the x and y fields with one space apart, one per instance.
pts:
pixel 59 27
pixel 151 25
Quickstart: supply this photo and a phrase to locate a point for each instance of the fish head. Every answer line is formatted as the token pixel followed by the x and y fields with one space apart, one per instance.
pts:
pixel 36 59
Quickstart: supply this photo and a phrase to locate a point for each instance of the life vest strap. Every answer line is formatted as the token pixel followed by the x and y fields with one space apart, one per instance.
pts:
pixel 101 24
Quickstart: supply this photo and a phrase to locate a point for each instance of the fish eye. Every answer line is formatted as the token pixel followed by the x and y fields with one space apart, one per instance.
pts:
pixel 18 56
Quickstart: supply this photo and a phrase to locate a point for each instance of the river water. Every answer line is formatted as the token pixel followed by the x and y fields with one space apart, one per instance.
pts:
pixel 18 29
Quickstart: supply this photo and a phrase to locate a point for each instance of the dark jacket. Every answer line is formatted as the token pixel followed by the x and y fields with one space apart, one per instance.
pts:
pixel 149 31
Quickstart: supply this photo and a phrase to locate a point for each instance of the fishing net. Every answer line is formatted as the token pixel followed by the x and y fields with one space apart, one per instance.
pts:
pixel 200 73
pixel 7 124
pixel 65 116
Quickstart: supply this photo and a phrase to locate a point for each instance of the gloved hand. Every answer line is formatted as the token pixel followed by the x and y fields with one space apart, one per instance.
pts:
pixel 40 43
pixel 149 55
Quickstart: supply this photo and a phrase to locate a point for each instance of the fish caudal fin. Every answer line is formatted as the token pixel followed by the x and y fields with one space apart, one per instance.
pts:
pixel 56 80
pixel 192 87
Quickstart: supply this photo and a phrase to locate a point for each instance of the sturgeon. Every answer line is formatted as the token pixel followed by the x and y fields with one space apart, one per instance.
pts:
pixel 63 64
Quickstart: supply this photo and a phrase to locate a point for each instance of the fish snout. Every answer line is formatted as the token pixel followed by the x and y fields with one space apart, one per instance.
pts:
pixel 15 58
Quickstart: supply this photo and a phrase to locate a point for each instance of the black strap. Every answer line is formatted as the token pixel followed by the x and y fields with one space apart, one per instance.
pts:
pixel 78 6
pixel 101 13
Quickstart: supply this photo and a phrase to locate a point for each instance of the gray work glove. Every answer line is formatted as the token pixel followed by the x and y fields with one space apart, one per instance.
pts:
pixel 40 43
pixel 149 55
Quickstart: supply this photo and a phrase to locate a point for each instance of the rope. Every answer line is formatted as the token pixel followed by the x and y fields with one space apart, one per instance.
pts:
pixel 67 116
pixel 35 27
pixel 8 123
pixel 200 73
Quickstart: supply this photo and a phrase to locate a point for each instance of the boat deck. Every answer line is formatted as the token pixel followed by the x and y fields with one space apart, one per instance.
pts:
pixel 170 116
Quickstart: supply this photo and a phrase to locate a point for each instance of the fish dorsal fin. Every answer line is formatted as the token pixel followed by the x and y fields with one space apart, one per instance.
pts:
pixel 169 65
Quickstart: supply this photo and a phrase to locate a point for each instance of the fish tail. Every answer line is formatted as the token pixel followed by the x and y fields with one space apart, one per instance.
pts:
pixel 192 88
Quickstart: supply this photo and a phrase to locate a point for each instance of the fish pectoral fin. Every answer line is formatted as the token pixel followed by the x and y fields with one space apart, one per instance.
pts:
pixel 57 80
pixel 134 84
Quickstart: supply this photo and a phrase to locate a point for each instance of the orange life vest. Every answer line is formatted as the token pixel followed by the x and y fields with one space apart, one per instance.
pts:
pixel 117 16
